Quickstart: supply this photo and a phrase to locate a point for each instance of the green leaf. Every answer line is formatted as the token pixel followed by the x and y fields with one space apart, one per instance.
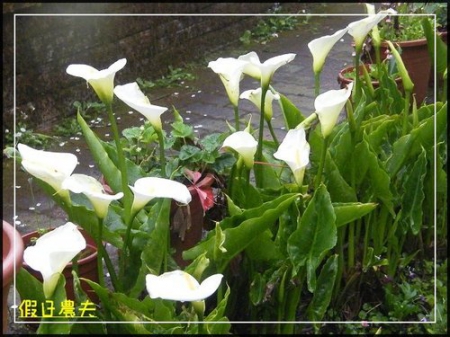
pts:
pixel 240 230
pixel 440 47
pixel 292 115
pixel 410 145
pixel 379 181
pixel 413 195
pixel 338 188
pixel 348 212
pixel 325 284
pixel 217 315
pixel 315 235
pixel 109 170
pixel 264 248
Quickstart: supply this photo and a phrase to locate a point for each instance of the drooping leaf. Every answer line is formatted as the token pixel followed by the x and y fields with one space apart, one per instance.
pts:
pixel 413 196
pixel 325 284
pixel 315 235
pixel 348 212
pixel 240 230
pixel 292 115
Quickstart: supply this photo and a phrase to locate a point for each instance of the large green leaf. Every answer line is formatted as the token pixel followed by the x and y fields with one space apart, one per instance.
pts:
pixel 109 170
pixel 378 181
pixel 413 195
pixel 292 115
pixel 217 315
pixel 348 212
pixel 339 189
pixel 240 231
pixel 325 284
pixel 410 145
pixel 315 236
pixel 437 51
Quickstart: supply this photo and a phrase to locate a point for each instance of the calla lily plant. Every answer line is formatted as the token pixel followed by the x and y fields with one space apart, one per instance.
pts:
pixel 307 221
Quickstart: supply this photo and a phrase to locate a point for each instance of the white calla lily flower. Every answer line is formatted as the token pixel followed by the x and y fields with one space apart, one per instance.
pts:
pixel 375 34
pixel 148 188
pixel 359 29
pixel 320 48
pixel 51 167
pixel 254 96
pixel 132 95
pixel 244 144
pixel 230 71
pixel 94 191
pixel 178 285
pixel 264 71
pixel 329 105
pixel 102 81
pixel 52 252
pixel 294 151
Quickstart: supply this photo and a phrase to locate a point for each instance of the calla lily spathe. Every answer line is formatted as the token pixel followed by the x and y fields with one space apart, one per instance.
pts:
pixel 320 48
pixel 52 252
pixel 375 34
pixel 329 105
pixel 359 29
pixel 178 285
pixel 244 144
pixel 294 151
pixel 102 81
pixel 230 71
pixel 255 97
pixel 94 191
pixel 264 71
pixel 148 188
pixel 132 95
pixel 51 167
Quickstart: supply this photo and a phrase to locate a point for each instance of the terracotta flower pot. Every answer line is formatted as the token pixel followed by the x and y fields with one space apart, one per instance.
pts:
pixel 87 266
pixel 187 222
pixel 12 262
pixel 344 80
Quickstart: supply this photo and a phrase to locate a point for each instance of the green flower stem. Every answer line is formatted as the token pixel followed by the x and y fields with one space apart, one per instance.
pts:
pixel 99 239
pixel 281 300
pixel 351 245
pixel 292 301
pixel 274 137
pixel 341 263
pixel 323 155
pixel 199 308
pixel 162 157
pixel 357 87
pixel 316 84
pixel 104 254
pixel 236 117
pixel 405 128
pixel 259 177
pixel 127 198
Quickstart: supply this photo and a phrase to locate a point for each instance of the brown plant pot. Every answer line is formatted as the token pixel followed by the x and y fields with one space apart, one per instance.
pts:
pixel 344 81
pixel 12 262
pixel 187 222
pixel 87 266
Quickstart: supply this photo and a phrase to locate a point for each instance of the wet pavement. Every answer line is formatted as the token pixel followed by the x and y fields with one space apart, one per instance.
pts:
pixel 203 103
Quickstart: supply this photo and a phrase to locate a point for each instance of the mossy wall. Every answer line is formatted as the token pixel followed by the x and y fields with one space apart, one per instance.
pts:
pixel 151 36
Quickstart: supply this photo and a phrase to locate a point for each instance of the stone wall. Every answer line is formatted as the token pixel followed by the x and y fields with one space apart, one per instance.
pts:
pixel 49 38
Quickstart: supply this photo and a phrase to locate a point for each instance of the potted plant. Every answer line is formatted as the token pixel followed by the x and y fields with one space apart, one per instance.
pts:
pixel 12 247
pixel 369 74
pixel 406 32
